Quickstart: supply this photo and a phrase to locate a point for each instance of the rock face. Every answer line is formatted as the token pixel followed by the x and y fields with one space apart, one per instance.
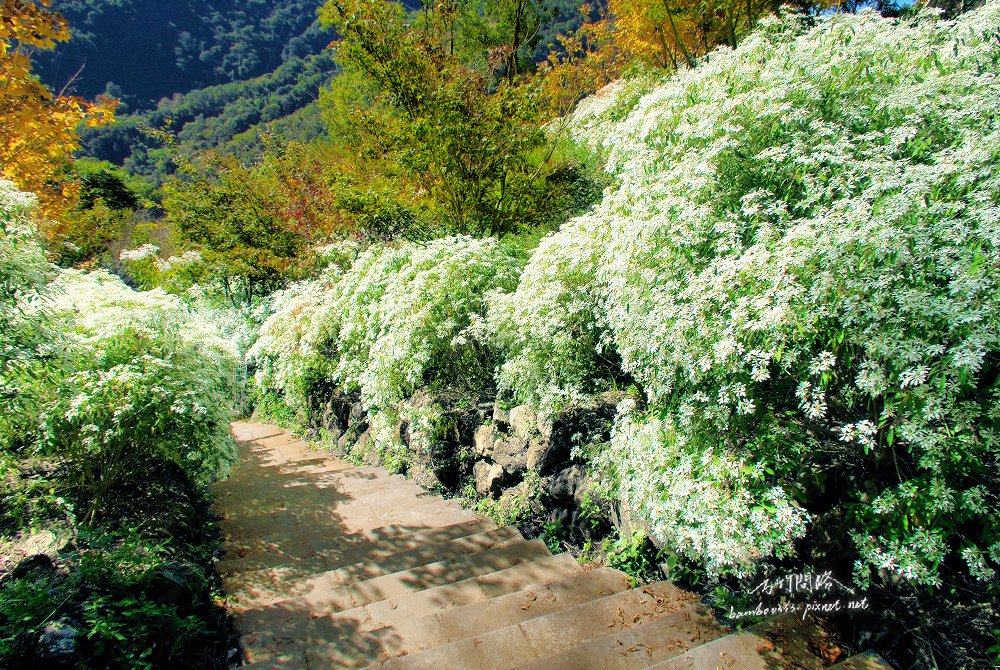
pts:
pixel 179 583
pixel 489 477
pixel 511 453
pixel 523 422
pixel 523 460
pixel 565 485
pixel 495 448
pixel 57 644
pixel 484 440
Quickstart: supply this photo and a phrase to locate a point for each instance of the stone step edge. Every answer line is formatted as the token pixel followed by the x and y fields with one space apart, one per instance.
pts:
pixel 474 527
pixel 527 594
pixel 542 621
pixel 357 592
pixel 295 659
pixel 502 537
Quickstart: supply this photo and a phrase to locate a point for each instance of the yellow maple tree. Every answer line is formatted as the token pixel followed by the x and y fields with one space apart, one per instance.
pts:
pixel 670 33
pixel 586 60
pixel 38 130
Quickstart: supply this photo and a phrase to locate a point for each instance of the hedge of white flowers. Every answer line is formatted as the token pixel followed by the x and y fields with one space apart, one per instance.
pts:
pixel 383 322
pixel 112 377
pixel 798 265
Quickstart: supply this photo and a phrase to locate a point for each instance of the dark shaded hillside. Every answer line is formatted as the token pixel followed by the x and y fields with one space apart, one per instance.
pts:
pixel 144 50
pixel 211 117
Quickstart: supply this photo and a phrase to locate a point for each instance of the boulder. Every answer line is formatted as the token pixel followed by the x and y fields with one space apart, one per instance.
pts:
pixel 358 417
pixel 484 439
pixel 489 477
pixel 523 422
pixel 511 453
pixel 423 475
pixel 57 644
pixel 178 583
pixel 544 455
pixel 579 424
pixel 565 485
pixel 500 417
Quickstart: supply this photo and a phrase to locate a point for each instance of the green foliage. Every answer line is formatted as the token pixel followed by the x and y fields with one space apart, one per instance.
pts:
pixel 111 589
pixel 232 214
pixel 512 508
pixel 636 556
pixel 114 413
pixel 552 535
pixel 105 182
pixel 778 269
pixel 394 320
pixel 425 99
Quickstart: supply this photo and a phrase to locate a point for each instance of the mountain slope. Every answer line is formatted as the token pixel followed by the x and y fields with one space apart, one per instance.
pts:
pixel 144 50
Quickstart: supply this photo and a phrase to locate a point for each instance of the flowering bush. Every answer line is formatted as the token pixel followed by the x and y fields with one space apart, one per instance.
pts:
pixel 393 321
pixel 798 266
pixel 146 378
pixel 23 270
pixel 113 378
pixel 176 274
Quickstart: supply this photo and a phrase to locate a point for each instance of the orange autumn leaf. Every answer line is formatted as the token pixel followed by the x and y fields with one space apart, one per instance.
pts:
pixel 38 130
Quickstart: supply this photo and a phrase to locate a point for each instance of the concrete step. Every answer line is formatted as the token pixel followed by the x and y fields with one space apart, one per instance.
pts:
pixel 545 570
pixel 641 645
pixel 295 534
pixel 782 641
pixel 270 630
pixel 334 551
pixel 404 560
pixel 556 633
pixel 415 633
pixel 301 503
pixel 356 623
pixel 283 481
pixel 736 651
pixel 369 545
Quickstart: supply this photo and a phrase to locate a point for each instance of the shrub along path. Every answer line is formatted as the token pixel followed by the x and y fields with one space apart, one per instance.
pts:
pixel 330 565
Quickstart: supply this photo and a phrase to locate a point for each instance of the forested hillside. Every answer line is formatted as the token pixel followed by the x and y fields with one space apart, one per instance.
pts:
pixel 226 74
pixel 151 49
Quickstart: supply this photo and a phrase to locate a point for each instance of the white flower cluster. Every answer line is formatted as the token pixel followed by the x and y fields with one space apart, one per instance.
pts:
pixel 711 506
pixel 104 374
pixel 144 361
pixel 802 233
pixel 142 253
pixel 379 326
pixel 15 202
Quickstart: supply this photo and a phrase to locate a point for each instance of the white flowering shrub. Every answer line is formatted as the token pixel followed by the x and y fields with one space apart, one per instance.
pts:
pixel 394 321
pixel 144 378
pixel 548 329
pixel 25 339
pixel 798 266
pixel 113 378
pixel 176 274
pixel 23 271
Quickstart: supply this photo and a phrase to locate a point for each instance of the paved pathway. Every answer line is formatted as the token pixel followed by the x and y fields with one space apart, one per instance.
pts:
pixel 334 566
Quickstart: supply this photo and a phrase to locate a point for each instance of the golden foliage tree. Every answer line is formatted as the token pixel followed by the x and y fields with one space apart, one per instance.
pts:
pixel 669 33
pixel 38 130
pixel 586 60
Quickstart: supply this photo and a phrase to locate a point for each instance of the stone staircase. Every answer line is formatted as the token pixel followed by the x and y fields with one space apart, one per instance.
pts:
pixel 334 566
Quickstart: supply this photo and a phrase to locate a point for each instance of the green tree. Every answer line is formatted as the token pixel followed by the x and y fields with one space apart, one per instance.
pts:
pixel 459 128
pixel 229 213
